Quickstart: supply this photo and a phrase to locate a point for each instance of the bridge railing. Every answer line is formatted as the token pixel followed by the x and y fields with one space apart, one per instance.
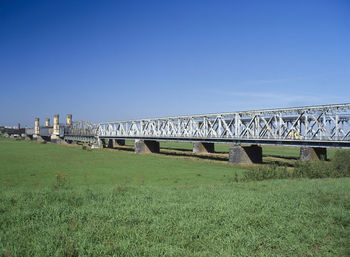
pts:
pixel 313 123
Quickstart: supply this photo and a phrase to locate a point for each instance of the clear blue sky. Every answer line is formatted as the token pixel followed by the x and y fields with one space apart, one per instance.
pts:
pixel 116 60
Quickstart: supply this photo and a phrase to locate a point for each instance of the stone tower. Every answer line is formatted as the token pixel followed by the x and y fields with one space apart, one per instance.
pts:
pixel 47 122
pixel 69 120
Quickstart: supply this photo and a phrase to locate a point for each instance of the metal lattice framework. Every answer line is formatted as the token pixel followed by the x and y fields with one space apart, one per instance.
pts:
pixel 83 131
pixel 326 125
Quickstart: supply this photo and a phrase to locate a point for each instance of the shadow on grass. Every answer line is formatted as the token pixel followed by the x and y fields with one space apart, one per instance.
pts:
pixel 279 163
pixel 180 152
pixel 124 148
pixel 190 150
pixel 217 156
pixel 177 149
pixel 192 155
pixel 281 157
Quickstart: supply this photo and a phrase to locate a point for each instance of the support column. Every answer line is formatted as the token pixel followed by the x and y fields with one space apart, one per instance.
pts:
pixel 245 154
pixel 115 142
pixel 146 146
pixel 199 147
pixel 56 129
pixel 313 153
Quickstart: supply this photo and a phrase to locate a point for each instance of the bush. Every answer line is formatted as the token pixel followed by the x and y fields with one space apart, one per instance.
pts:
pixel 341 164
pixel 317 169
pixel 338 167
pixel 264 173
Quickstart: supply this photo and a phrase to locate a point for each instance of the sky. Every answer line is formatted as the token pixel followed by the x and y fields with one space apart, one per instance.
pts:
pixel 121 60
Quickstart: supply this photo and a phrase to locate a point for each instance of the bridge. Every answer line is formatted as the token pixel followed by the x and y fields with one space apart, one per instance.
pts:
pixel 313 128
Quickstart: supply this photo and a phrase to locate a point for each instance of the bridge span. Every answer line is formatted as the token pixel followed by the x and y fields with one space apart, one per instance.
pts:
pixel 326 125
pixel 313 128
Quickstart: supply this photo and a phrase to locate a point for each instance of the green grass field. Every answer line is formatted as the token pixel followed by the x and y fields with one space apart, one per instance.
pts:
pixel 58 200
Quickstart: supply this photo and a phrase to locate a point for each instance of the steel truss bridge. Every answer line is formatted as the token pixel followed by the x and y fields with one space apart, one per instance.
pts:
pixel 323 126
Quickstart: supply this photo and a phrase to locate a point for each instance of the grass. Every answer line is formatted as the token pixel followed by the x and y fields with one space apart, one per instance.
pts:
pixel 65 201
pixel 30 163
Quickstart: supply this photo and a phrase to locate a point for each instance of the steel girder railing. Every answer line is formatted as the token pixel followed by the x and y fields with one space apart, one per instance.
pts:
pixel 327 124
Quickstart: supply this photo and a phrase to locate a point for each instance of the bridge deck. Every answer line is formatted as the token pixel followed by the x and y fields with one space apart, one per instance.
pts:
pixel 315 143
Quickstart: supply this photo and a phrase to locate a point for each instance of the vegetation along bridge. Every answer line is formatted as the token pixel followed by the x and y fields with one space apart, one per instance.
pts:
pixel 313 128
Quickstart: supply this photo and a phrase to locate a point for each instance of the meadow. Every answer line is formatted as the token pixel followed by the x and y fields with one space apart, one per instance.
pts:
pixel 61 200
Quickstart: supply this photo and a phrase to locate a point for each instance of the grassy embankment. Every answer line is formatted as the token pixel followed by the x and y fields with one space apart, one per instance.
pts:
pixel 64 201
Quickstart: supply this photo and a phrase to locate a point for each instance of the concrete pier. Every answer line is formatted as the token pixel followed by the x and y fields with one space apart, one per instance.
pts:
pixel 245 154
pixel 38 138
pixel 199 147
pixel 56 129
pixel 146 146
pixel 115 142
pixel 97 145
pixel 313 153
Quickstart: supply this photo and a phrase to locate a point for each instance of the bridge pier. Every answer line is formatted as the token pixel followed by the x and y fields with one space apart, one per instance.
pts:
pixel 38 138
pixel 199 147
pixel 313 153
pixel 245 154
pixel 146 146
pixel 98 145
pixel 27 137
pixel 115 142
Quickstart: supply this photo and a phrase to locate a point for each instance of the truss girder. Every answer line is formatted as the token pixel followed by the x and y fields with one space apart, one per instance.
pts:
pixel 82 128
pixel 316 123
